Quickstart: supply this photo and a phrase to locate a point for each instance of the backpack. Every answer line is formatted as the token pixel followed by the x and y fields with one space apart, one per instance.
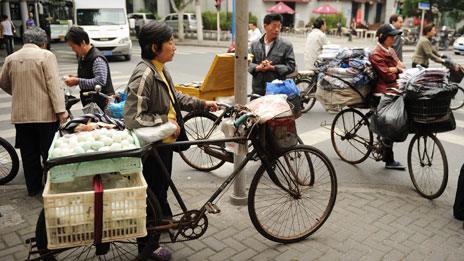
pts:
pixel 458 208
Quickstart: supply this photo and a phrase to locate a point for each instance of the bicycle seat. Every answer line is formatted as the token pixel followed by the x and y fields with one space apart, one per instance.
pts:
pixel 70 101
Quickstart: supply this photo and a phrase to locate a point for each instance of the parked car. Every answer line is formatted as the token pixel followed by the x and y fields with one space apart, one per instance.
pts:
pixel 190 21
pixel 458 45
pixel 141 19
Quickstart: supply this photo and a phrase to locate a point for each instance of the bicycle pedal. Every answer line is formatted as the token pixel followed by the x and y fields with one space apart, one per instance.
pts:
pixel 212 208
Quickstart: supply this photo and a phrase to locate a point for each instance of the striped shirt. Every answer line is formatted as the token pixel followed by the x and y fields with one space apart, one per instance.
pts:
pixel 100 70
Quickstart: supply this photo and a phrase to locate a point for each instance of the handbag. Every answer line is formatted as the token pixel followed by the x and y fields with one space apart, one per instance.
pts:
pixel 180 120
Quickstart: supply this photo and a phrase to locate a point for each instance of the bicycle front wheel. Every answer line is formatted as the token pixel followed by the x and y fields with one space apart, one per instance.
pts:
pixel 351 137
pixel 129 249
pixel 458 100
pixel 292 198
pixel 201 126
pixel 428 165
pixel 307 90
pixel 9 162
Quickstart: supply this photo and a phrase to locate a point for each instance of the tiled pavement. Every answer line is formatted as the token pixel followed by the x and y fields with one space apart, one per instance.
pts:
pixel 368 223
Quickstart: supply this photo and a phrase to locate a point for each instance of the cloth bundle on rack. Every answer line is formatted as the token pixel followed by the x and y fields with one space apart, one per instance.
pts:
pixel 347 75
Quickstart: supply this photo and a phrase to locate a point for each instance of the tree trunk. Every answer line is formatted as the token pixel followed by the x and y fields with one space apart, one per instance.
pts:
pixel 199 20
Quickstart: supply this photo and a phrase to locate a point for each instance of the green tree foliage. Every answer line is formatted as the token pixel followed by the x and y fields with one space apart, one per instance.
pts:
pixel 209 20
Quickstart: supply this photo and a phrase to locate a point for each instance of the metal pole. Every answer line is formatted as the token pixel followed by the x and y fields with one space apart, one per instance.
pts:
pixel 422 22
pixel 218 25
pixel 239 196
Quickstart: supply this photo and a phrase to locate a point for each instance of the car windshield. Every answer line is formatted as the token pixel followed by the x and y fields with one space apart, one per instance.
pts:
pixel 150 16
pixel 107 16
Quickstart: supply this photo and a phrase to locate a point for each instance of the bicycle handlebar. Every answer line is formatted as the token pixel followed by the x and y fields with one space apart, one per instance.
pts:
pixel 97 92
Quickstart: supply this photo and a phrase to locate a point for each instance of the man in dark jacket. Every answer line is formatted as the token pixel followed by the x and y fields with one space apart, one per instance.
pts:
pixel 93 68
pixel 396 22
pixel 273 57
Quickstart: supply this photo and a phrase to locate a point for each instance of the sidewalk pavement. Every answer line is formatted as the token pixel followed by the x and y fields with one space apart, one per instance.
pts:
pixel 369 222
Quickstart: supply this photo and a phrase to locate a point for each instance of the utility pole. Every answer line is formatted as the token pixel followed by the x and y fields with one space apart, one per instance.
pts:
pixel 239 196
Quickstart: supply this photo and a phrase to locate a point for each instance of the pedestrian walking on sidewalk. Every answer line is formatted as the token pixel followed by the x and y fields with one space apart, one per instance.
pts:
pixel 31 76
pixel 151 101
pixel 8 30
pixel 273 56
pixel 315 40
pixel 396 22
pixel 30 21
pixel 93 68
pixel 425 50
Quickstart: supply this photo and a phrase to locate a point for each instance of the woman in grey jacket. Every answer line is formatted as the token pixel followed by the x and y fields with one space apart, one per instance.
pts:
pixel 152 100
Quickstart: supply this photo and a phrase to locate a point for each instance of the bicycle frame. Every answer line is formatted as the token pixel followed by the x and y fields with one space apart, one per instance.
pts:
pixel 152 148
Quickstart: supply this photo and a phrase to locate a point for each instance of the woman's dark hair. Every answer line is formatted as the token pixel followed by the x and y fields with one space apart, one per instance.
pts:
pixel 269 18
pixel 428 28
pixel 318 23
pixel 156 33
pixel 76 35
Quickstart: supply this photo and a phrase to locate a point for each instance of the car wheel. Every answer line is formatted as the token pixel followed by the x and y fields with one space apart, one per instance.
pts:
pixel 127 57
pixel 458 53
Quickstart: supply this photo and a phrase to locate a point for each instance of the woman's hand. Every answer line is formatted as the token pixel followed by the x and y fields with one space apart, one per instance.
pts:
pixel 175 134
pixel 211 105
pixel 393 69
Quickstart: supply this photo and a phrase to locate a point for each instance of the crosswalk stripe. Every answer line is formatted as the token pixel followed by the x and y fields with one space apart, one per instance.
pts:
pixel 315 136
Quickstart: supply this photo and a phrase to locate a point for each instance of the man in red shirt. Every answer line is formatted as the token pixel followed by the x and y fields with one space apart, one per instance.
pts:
pixel 387 65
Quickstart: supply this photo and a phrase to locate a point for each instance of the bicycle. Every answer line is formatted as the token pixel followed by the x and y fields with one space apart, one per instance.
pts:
pixel 9 162
pixel 284 188
pixel 456 76
pixel 307 83
pixel 352 140
pixel 203 125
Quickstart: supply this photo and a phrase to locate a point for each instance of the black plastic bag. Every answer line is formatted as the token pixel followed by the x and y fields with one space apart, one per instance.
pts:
pixel 390 120
pixel 431 90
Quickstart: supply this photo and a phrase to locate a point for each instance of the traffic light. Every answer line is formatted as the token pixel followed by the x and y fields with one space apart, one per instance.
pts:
pixel 218 4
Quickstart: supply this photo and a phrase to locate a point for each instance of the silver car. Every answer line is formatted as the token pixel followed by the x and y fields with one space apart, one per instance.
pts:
pixel 190 21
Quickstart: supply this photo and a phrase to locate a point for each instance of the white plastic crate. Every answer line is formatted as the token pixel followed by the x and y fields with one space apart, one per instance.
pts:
pixel 69 210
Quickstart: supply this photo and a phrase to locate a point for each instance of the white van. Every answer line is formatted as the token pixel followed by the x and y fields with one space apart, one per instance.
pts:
pixel 106 24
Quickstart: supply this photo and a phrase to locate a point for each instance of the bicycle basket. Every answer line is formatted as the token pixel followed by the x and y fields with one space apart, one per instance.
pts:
pixel 280 133
pixel 428 110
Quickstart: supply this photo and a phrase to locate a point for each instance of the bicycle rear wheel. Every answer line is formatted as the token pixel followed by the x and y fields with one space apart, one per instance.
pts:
pixel 458 100
pixel 294 197
pixel 9 162
pixel 428 165
pixel 201 126
pixel 307 90
pixel 351 136
pixel 116 250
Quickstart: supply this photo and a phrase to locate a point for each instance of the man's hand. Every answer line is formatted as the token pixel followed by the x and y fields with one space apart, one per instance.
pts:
pixel 175 134
pixel 62 116
pixel 211 105
pixel 260 68
pixel 71 81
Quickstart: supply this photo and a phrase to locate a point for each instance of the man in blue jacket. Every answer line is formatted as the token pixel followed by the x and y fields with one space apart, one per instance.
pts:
pixel 273 56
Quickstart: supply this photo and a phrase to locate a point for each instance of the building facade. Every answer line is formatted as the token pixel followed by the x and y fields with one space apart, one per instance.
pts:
pixel 372 11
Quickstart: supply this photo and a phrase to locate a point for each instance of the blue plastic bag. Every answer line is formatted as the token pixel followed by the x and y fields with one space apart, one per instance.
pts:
pixel 116 109
pixel 287 87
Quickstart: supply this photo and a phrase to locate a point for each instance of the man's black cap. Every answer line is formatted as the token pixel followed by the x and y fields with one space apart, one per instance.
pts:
pixel 387 29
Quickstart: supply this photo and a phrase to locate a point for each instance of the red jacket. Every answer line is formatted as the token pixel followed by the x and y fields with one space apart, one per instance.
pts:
pixel 381 60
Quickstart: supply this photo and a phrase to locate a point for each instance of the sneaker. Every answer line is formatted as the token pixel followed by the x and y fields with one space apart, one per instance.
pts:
pixel 394 165
pixel 161 254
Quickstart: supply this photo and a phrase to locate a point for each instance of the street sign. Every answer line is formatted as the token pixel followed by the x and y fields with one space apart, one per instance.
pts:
pixel 424 6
